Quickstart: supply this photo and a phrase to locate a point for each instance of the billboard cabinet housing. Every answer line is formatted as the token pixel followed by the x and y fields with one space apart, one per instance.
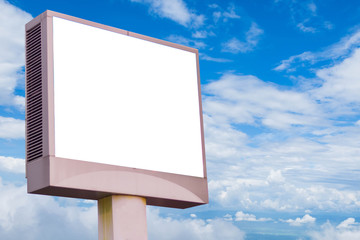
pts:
pixel 111 112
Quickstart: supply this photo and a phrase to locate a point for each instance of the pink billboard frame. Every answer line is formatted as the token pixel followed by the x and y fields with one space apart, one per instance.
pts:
pixel 51 175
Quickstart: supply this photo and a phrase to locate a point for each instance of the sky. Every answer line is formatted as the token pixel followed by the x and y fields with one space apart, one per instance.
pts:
pixel 280 84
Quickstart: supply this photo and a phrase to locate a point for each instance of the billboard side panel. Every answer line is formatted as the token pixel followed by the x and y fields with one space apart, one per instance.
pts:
pixel 49 87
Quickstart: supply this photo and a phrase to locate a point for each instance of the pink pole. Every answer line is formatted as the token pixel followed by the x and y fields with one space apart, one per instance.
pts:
pixel 122 218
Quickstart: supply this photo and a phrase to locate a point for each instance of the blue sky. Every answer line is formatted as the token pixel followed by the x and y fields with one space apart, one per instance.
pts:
pixel 281 100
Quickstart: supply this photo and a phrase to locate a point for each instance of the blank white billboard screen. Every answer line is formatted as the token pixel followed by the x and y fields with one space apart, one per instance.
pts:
pixel 125 101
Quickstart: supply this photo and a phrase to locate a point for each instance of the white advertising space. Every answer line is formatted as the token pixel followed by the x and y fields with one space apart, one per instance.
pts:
pixel 125 101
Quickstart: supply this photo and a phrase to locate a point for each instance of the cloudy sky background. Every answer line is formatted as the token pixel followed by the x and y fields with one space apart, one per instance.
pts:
pixel 281 100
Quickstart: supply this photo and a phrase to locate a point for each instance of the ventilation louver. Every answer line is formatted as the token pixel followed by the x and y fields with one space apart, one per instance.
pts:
pixel 34 130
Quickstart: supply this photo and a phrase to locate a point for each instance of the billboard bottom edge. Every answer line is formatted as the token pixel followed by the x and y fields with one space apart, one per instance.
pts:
pixel 79 179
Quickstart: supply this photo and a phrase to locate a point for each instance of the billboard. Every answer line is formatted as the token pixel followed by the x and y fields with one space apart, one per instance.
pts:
pixel 110 112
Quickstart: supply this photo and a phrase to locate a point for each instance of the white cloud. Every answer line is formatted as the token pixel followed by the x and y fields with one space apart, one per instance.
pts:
pixel 228 217
pixel 247 99
pixel 298 129
pixel 202 34
pixel 41 217
pixel 222 141
pixel 253 35
pixel 348 223
pixel 12 57
pixel 213 5
pixel 329 232
pixel 252 38
pixel 293 193
pixel 335 87
pixel 240 216
pixel 11 128
pixel 212 59
pixel 186 41
pixel 312 7
pixel 234 45
pixel 230 13
pixel 160 228
pixel 175 10
pixel 328 25
pixel 306 219
pixel 225 15
pixel 216 16
pixel 304 28
pixel 304 16
pixel 287 64
pixel 275 176
pixel 335 52
pixel 340 83
pixel 10 164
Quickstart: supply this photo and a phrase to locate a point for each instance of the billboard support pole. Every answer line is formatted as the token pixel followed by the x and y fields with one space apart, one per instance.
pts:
pixel 122 217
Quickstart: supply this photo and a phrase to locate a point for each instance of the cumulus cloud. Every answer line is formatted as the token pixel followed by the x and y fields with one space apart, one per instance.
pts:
pixel 41 217
pixel 160 228
pixel 247 99
pixel 175 10
pixel 11 128
pixel 306 219
pixel 260 135
pixel 12 52
pixel 272 174
pixel 291 194
pixel 252 37
pixel 13 165
pixel 222 140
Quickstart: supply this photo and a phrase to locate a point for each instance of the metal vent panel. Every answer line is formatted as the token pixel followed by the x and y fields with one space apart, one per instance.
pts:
pixel 34 121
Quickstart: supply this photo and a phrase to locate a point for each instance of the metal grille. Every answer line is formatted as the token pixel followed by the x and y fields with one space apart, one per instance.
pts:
pixel 34 130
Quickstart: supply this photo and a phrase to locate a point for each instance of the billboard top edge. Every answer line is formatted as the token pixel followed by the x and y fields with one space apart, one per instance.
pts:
pixel 50 14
